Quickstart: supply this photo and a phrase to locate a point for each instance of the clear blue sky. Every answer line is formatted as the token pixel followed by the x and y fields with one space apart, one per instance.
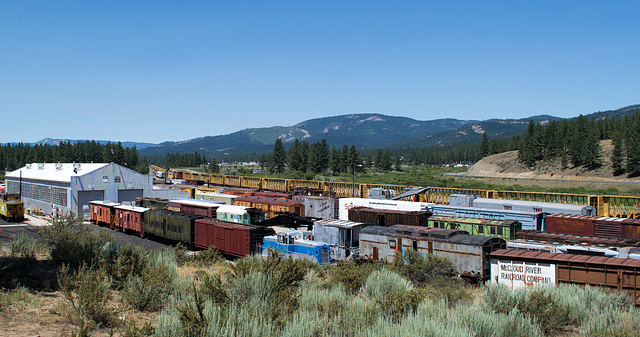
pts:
pixel 151 71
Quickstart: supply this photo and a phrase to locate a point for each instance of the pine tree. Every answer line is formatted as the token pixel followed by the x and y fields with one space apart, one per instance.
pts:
pixel 278 157
pixel 616 154
pixel 484 145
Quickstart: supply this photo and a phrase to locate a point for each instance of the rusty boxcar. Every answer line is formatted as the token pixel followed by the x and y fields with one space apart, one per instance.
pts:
pixel 389 217
pixel 195 207
pixel 605 227
pixel 130 219
pixel 469 253
pixel 574 239
pixel 270 205
pixel 103 213
pixel 229 238
pixel 519 268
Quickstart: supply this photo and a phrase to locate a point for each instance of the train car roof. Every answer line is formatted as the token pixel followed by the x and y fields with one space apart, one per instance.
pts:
pixel 488 210
pixel 529 255
pixel 340 223
pixel 268 200
pixel 392 211
pixel 438 233
pixel 195 202
pixel 375 230
pixel 132 208
pixel 176 214
pixel 104 203
pixel 474 220
pixel 474 240
pixel 233 209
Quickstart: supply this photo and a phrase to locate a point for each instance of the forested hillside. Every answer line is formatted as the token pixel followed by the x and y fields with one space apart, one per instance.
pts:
pixel 577 142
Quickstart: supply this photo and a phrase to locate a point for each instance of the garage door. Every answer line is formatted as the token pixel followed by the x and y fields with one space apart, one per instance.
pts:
pixel 85 196
pixel 128 195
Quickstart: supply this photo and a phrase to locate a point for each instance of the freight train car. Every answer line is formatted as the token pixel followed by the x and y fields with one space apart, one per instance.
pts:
pixel 229 238
pixel 153 203
pixel 318 207
pixel 578 249
pixel 239 214
pixel 504 229
pixel 130 219
pixel 103 213
pixel 386 217
pixel 574 239
pixel 171 225
pixel 529 220
pixel 469 253
pixel 271 205
pixel 533 206
pixel 604 227
pixel 226 199
pixel 11 207
pixel 347 203
pixel 195 207
pixel 519 269
pixel 297 244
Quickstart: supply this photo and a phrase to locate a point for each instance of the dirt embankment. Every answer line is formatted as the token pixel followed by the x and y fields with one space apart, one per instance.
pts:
pixel 506 169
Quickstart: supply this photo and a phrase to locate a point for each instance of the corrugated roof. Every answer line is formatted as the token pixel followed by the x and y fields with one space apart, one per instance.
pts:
pixel 60 172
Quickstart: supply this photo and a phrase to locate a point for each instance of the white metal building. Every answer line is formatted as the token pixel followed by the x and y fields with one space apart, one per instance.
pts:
pixel 59 188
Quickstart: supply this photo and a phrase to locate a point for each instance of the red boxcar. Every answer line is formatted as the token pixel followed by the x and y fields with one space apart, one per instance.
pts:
pixel 278 195
pixel 130 219
pixel 195 207
pixel 604 227
pixel 103 213
pixel 228 237
pixel 270 205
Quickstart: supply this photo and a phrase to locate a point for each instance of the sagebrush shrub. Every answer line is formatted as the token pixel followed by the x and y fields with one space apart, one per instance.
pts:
pixel 88 291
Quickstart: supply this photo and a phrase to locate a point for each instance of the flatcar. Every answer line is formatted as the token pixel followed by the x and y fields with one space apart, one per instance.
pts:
pixel 469 253
pixel 170 225
pixel 270 205
pixel 297 244
pixel 574 239
pixel 229 238
pixel 504 229
pixel 388 217
pixel 130 219
pixel 11 207
pixel 529 220
pixel 103 213
pixel 533 206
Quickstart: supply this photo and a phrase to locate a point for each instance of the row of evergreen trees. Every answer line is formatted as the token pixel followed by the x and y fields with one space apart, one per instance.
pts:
pixel 315 157
pixel 577 142
pixel 14 156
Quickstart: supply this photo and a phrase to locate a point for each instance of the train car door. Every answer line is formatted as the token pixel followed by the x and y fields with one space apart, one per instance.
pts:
pixel 375 253
pixel 164 228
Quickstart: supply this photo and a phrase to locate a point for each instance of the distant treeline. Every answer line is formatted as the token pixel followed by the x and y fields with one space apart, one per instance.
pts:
pixel 577 142
pixel 13 157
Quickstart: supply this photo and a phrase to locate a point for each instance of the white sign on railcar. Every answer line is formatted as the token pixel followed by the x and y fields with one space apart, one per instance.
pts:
pixel 516 274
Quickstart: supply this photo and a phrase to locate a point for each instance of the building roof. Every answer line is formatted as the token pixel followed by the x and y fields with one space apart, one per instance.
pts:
pixel 59 172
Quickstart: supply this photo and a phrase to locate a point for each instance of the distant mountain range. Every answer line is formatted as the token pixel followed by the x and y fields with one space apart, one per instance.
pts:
pixel 365 131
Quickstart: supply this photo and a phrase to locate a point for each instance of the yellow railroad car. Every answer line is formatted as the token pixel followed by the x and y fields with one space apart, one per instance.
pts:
pixel 11 207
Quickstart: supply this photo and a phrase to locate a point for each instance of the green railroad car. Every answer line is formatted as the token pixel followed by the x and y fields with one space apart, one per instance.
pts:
pixel 171 225
pixel 504 229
